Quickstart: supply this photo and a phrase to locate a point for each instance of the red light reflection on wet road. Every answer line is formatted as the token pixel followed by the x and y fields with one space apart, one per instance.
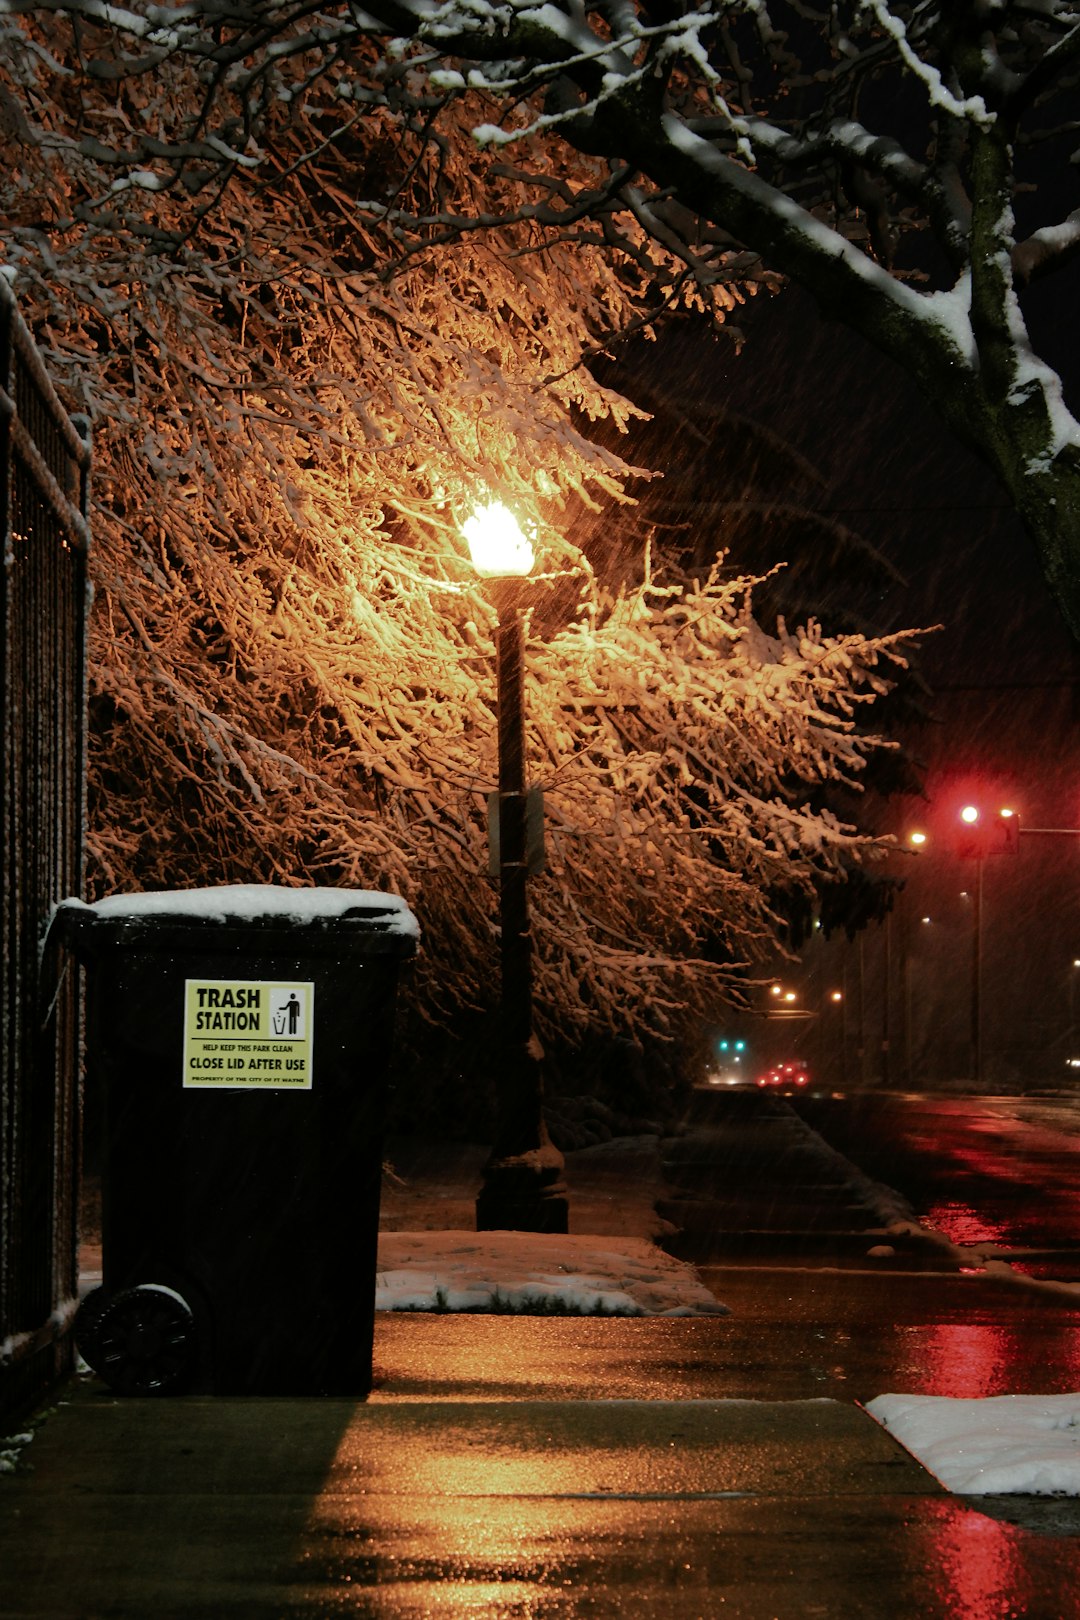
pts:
pixel 1031 1170
pixel 964 1225
pixel 978 1565
pixel 970 1359
pixel 1000 1170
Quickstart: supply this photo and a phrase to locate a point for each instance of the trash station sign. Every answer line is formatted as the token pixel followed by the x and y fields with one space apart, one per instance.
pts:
pixel 249 1034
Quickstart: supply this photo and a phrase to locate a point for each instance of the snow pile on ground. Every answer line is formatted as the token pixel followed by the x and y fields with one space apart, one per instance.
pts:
pixel 536 1274
pixel 11 1449
pixel 1001 1445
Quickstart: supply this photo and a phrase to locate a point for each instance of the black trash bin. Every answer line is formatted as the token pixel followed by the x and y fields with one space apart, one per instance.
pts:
pixel 239 1038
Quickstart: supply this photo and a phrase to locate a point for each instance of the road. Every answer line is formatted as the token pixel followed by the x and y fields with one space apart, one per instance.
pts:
pixel 999 1170
pixel 825 1302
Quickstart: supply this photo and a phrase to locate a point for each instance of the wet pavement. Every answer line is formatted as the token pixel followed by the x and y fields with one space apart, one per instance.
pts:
pixel 970 1166
pixel 791 1335
pixel 746 1176
pixel 690 1508
pixel 520 1468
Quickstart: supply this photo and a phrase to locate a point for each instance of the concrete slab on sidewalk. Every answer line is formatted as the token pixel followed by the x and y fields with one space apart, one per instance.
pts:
pixel 203 1507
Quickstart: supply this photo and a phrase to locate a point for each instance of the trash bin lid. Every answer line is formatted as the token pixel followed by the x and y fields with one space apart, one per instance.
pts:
pixel 380 917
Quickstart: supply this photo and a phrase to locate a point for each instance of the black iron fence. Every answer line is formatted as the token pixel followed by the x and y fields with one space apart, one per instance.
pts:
pixel 44 473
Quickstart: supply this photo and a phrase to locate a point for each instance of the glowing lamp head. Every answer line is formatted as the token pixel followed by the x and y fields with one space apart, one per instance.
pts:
pixel 917 838
pixel 497 545
pixel 970 814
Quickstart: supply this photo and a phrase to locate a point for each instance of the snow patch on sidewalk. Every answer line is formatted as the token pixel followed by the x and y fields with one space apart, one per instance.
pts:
pixel 536 1273
pixel 1000 1445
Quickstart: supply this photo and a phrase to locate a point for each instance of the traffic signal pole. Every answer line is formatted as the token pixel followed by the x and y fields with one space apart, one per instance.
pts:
pixel 976 974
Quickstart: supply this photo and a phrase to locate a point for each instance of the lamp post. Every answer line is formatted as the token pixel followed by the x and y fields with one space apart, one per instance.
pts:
pixel 838 1001
pixel 969 815
pixel 918 843
pixel 523 1188
pixel 979 838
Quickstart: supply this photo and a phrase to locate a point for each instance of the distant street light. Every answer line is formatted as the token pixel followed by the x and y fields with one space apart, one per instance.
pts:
pixel 523 1187
pixel 980 838
pixel 977 970
pixel 917 842
pixel 836 998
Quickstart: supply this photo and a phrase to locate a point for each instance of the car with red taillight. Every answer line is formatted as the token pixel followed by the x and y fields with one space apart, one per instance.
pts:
pixel 785 1079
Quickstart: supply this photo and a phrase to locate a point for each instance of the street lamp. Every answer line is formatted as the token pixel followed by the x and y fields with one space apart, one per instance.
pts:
pixel 838 1001
pixel 1072 1006
pixel 979 839
pixel 918 843
pixel 523 1188
pixel 969 815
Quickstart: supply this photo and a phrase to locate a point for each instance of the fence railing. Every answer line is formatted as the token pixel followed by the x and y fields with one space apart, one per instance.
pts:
pixel 44 476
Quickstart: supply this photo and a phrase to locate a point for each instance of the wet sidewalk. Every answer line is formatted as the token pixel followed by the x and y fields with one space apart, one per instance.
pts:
pixel 537 1468
pixel 256 1509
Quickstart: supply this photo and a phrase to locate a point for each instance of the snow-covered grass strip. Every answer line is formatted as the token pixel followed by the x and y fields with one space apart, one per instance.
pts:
pixel 1001 1445
pixel 536 1274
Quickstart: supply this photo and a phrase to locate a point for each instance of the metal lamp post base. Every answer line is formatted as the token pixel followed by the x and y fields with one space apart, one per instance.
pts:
pixel 523 1198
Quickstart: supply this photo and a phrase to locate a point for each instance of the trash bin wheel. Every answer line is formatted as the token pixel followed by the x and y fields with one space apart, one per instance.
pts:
pixel 142 1341
pixel 87 1322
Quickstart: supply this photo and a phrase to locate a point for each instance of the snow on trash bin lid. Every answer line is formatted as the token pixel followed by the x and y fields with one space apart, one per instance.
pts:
pixel 257 902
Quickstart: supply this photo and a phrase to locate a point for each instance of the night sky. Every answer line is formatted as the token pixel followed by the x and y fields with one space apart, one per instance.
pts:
pixel 1002 673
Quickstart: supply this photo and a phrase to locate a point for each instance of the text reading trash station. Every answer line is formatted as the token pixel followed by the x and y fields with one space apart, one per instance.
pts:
pixel 248 1034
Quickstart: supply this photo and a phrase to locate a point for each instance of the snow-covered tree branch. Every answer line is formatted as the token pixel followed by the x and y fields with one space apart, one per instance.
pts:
pixel 911 164
pixel 908 164
pixel 292 662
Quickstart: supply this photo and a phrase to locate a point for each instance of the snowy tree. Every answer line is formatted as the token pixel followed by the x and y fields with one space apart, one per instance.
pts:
pixel 908 163
pixel 293 413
